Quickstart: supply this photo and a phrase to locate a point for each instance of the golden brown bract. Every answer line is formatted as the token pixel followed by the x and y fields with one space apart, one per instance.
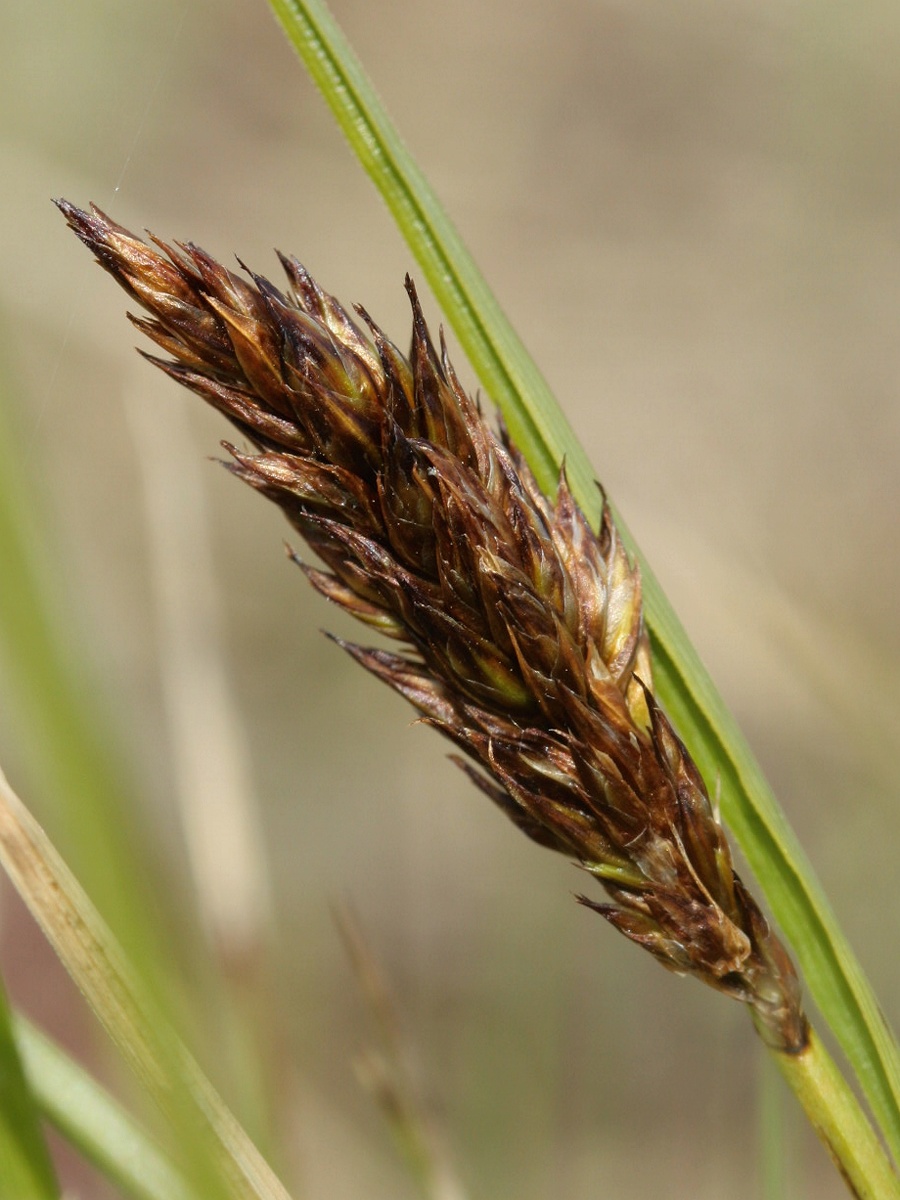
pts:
pixel 524 628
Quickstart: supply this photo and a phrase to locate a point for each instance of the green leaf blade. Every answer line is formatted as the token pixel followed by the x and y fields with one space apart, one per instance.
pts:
pixel 93 1122
pixel 26 1171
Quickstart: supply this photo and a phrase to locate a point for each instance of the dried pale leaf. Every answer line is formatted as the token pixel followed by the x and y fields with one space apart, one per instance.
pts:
pixel 231 1165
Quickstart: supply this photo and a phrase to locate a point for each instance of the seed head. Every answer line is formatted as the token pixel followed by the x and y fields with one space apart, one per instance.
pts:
pixel 522 628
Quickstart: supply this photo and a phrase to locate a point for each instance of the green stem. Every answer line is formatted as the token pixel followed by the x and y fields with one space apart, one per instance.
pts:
pixel 839 1121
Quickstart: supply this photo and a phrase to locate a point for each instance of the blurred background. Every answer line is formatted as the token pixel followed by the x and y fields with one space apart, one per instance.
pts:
pixel 690 213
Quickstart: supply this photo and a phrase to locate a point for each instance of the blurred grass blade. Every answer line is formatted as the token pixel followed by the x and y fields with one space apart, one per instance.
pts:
pixel 774 1132
pixel 208 756
pixel 94 1123
pixel 513 382
pixel 225 1162
pixel 26 1172
pixel 64 738
pixel 384 1071
pixel 494 349
pixel 210 762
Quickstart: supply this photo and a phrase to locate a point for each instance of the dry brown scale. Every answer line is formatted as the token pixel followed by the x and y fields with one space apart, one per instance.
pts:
pixel 524 629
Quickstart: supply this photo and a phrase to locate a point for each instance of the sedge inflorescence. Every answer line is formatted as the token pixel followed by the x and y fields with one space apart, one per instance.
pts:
pixel 521 627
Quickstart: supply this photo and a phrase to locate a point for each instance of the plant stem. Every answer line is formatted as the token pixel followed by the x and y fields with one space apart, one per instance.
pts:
pixel 838 1119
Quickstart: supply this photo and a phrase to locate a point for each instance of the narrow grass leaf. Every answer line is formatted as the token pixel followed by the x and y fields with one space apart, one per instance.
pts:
pixel 26 1172
pixel 833 974
pixel 66 742
pixel 384 1071
pixel 94 1122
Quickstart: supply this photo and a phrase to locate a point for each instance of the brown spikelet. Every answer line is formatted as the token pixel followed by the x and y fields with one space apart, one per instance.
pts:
pixel 523 626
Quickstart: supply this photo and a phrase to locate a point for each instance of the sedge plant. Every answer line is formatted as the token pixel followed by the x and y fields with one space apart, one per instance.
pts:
pixel 531 633
pixel 832 973
pixel 522 625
